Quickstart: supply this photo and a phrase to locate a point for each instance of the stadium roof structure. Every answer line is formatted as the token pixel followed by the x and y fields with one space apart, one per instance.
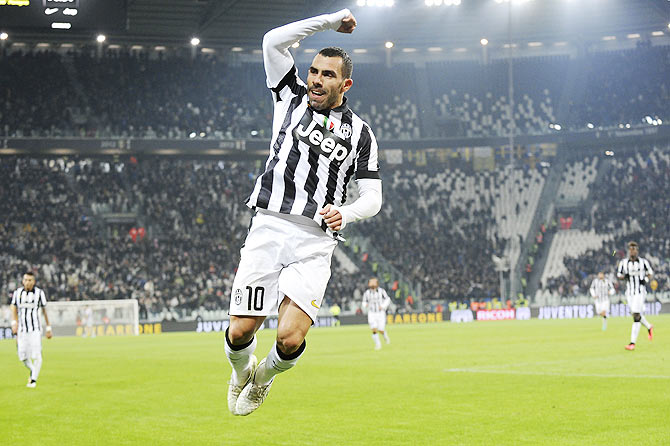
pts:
pixel 242 23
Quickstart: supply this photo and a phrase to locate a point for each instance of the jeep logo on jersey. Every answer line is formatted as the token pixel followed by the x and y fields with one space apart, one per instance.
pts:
pixel 321 140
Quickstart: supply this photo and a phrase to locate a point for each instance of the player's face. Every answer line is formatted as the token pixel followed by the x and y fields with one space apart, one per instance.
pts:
pixel 28 282
pixel 372 283
pixel 601 276
pixel 632 251
pixel 325 83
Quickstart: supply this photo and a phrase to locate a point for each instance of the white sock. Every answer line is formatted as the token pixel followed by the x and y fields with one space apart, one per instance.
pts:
pixel 634 332
pixel 386 338
pixel 604 322
pixel 28 363
pixel 375 337
pixel 37 366
pixel 240 360
pixel 645 322
pixel 277 362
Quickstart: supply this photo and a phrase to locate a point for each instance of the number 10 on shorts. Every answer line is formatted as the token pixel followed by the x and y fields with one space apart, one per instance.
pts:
pixel 258 293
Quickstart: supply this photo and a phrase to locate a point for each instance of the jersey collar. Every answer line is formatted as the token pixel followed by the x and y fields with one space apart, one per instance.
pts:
pixel 343 107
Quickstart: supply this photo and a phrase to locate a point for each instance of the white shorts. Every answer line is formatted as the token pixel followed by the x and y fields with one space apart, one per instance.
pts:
pixel 281 258
pixel 602 306
pixel 29 345
pixel 636 303
pixel 377 321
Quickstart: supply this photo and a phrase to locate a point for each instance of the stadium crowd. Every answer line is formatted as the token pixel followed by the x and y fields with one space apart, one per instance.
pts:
pixel 130 94
pixel 632 202
pixel 53 221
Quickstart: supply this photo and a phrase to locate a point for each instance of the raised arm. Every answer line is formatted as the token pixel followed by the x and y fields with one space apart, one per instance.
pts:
pixel 276 56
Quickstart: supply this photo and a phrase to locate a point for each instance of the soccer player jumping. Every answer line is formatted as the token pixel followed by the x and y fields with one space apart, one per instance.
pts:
pixel 318 144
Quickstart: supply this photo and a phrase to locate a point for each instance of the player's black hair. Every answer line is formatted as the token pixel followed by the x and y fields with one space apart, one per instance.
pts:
pixel 29 273
pixel 347 64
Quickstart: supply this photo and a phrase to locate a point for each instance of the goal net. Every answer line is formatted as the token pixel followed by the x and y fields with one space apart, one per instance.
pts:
pixel 94 317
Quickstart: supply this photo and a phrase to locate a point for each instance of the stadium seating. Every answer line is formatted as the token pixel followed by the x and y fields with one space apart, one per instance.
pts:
pixel 623 87
pixel 53 220
pixel 195 222
pixel 123 94
pixel 436 224
pixel 476 95
pixel 630 203
pixel 576 181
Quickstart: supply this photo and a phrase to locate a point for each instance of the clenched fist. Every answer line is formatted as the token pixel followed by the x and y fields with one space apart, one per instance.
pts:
pixel 348 25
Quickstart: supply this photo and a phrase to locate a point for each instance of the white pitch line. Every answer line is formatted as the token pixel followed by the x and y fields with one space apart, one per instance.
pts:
pixel 581 375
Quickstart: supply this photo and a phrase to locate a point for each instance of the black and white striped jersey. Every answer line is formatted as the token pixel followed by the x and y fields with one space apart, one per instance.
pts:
pixel 28 304
pixel 601 290
pixel 634 272
pixel 376 301
pixel 314 154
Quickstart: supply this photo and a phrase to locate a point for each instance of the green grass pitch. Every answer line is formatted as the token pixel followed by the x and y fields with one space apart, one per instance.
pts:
pixel 493 383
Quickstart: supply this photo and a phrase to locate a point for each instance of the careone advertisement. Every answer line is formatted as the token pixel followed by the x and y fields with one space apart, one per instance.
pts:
pixel 116 329
pixel 96 330
pixel 588 311
pixel 414 318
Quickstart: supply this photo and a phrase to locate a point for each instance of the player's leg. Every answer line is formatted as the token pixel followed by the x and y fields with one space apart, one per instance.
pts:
pixel 36 355
pixel 372 323
pixel 648 326
pixel 302 283
pixel 375 339
pixel 382 327
pixel 292 328
pixel 22 348
pixel 635 331
pixel 240 346
pixel 636 304
pixel 254 296
pixel 293 325
pixel 601 310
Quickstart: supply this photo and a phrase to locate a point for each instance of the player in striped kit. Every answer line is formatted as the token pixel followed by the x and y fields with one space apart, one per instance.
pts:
pixel 26 302
pixel 376 302
pixel 637 273
pixel 318 145
pixel 601 290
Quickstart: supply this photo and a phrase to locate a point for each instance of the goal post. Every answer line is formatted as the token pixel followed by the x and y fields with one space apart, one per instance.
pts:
pixel 94 317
